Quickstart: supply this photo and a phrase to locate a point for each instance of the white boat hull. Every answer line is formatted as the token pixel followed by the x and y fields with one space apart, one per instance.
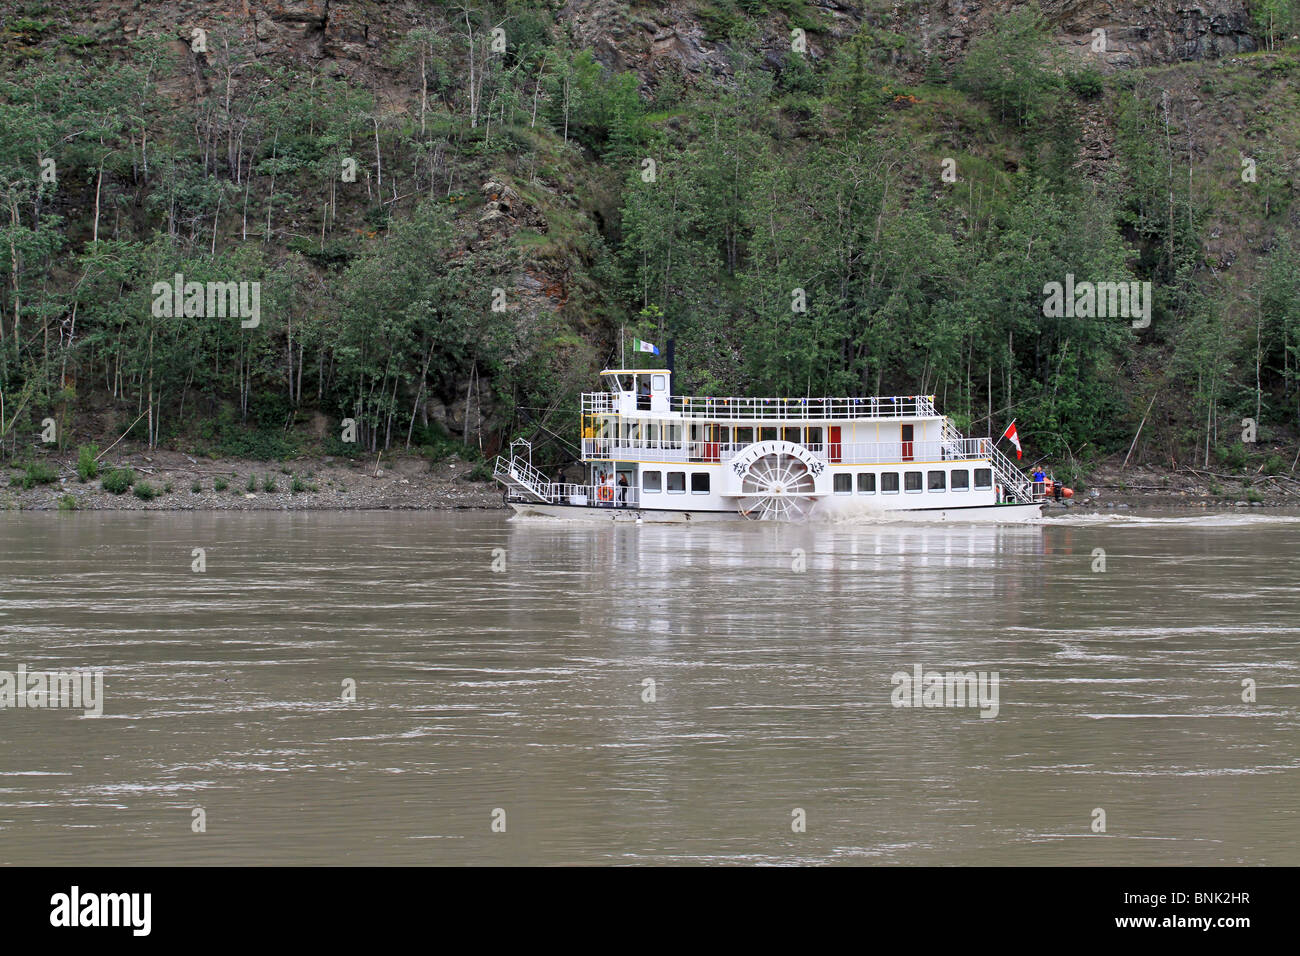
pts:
pixel 985 514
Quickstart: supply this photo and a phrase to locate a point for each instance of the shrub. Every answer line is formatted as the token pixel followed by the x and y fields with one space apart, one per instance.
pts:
pixel 268 483
pixel 145 491
pixel 118 481
pixel 252 484
pixel 67 503
pixel 1087 84
pixel 167 488
pixel 38 473
pixel 298 486
pixel 87 466
pixel 261 445
pixel 337 448
pixel 195 488
pixel 1234 457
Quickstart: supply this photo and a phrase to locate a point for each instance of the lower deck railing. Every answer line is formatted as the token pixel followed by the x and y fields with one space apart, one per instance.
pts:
pixel 569 493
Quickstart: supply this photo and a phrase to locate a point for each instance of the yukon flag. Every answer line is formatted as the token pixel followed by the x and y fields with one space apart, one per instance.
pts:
pixel 639 346
pixel 1014 437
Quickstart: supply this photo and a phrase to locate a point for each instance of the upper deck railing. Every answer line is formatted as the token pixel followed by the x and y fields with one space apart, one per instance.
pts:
pixel 847 453
pixel 596 403
pixel 775 409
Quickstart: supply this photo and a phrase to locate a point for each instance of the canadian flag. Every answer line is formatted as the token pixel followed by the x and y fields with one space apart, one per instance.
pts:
pixel 1014 437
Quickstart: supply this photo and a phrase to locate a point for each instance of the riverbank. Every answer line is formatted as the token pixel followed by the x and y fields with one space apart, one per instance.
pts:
pixel 412 483
pixel 184 483
pixel 1111 485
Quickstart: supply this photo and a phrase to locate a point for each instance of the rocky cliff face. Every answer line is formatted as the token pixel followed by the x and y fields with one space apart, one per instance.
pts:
pixel 1148 34
pixel 673 36
pixel 347 35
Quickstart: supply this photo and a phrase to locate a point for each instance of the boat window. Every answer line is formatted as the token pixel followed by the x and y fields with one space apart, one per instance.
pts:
pixel 866 483
pixel 935 480
pixel 652 433
pixel 983 477
pixel 889 483
pixel 767 434
pixel 652 481
pixel 791 435
pixel 911 481
pixel 960 479
pixel 843 484
pixel 815 435
pixel 744 436
pixel 659 382
pixel 699 482
pixel 676 482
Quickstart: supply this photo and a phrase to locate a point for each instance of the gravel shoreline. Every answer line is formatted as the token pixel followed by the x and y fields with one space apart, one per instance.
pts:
pixel 326 484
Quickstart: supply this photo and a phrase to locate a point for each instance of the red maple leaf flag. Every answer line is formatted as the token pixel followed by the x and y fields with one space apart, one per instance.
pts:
pixel 1014 437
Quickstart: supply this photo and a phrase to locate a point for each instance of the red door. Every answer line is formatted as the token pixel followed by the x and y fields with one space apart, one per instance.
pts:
pixel 835 443
pixel 908 433
pixel 711 442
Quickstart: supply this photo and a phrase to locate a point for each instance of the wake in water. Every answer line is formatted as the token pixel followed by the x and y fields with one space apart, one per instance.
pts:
pixel 1219 519
pixel 850 510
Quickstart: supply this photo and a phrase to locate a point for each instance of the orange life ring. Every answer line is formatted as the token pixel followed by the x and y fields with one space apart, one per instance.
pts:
pixel 606 493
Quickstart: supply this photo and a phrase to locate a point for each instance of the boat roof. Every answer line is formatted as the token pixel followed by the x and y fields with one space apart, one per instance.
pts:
pixel 634 371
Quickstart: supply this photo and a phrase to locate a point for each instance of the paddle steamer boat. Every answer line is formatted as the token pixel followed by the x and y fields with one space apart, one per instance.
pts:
pixel 651 455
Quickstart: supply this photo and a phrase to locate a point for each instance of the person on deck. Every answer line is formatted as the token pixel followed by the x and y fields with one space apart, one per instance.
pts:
pixel 622 491
pixel 1039 478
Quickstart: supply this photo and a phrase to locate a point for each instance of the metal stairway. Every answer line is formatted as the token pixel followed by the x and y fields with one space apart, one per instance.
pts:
pixel 518 474
pixel 1012 480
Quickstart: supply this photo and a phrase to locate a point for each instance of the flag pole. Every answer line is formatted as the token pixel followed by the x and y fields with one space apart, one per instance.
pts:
pixel 622 359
